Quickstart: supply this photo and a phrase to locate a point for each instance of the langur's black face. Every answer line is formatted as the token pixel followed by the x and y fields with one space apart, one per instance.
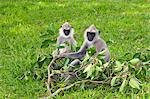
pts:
pixel 66 32
pixel 90 35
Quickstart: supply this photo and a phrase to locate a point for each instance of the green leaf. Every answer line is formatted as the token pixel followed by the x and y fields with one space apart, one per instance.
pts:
pixel 97 73
pixel 42 58
pixel 103 52
pixel 89 73
pixel 87 68
pixel 118 66
pixel 86 58
pixel 92 77
pixel 134 83
pixel 100 57
pixel 100 62
pixel 90 70
pixel 67 61
pixel 134 61
pixel 123 85
pixel 104 76
pixel 146 63
pixel 82 85
pixel 137 55
pixel 106 64
pixel 65 67
pixel 117 69
pixel 61 46
pixel 54 53
pixel 113 80
pixel 91 51
pixel 139 71
pixel 56 71
pixel 125 69
pixel 99 69
pixel 118 63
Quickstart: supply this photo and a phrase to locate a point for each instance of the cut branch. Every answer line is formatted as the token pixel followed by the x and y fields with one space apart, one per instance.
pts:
pixel 83 81
pixel 49 74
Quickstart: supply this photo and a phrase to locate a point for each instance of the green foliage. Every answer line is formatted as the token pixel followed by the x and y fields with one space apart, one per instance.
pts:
pixel 113 81
pixel 125 72
pixel 134 83
pixel 91 51
pixel 25 24
pixel 123 85
pixel 94 65
pixel 121 76
pixel 61 46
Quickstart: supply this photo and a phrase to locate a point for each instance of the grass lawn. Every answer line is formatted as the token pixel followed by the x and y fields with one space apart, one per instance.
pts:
pixel 26 25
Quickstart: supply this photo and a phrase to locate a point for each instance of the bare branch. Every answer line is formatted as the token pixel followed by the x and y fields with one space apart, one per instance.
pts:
pixel 83 81
pixel 49 74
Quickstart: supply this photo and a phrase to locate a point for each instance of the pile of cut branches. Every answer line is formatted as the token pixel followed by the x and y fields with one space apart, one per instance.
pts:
pixel 93 71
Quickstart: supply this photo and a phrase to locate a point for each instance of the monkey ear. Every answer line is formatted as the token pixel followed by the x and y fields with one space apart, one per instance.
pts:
pixel 61 26
pixel 71 26
pixel 99 32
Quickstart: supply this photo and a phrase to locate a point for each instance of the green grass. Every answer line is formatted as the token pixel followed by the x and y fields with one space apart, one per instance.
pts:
pixel 125 26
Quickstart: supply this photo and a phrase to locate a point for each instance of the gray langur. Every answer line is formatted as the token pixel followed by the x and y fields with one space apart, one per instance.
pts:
pixel 66 33
pixel 65 41
pixel 91 39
